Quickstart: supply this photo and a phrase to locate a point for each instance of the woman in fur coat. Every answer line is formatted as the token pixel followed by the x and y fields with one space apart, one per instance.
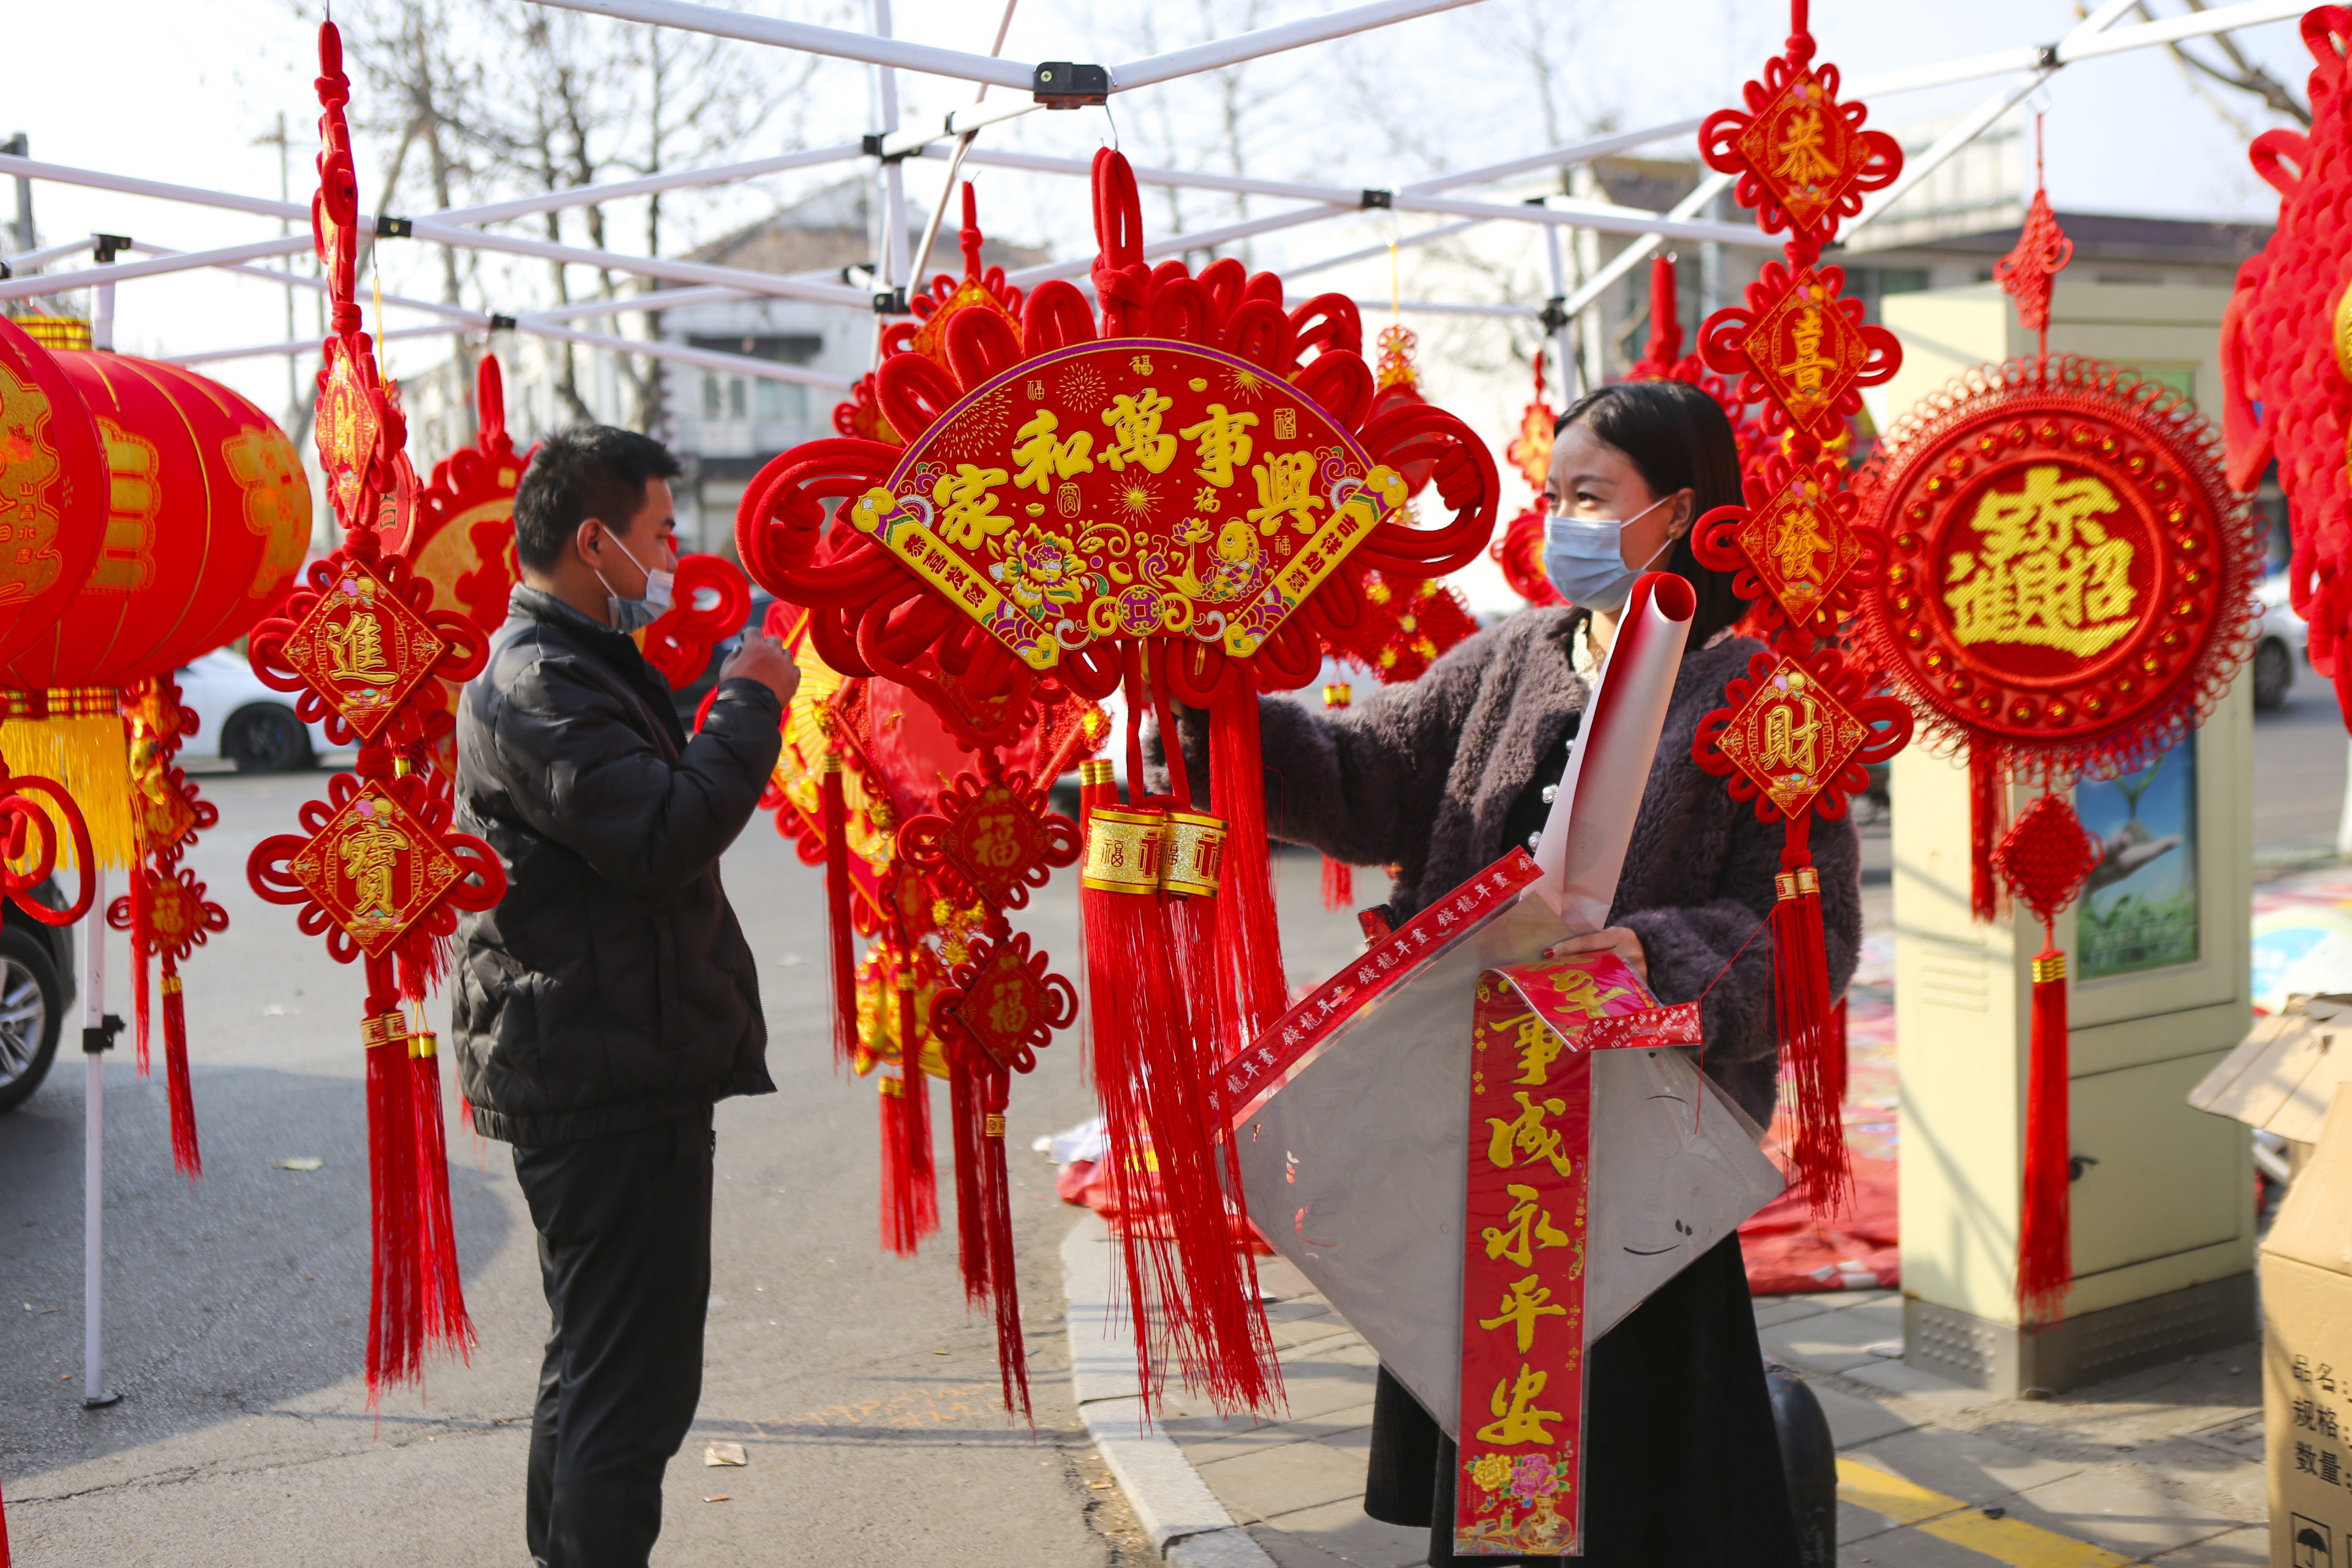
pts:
pixel 1437 779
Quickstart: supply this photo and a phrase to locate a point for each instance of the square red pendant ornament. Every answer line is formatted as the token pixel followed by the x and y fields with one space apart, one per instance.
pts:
pixel 374 869
pixel 1807 353
pixel 1006 1001
pixel 1802 151
pixel 363 649
pixel 1791 737
pixel 1799 547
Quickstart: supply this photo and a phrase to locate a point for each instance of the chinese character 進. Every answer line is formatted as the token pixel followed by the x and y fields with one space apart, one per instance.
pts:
pixel 1286 488
pixel 2050 574
pixel 969 514
pixel 1134 419
pixel 1526 1300
pixel 1516 1419
pixel 1043 458
pixel 1526 1135
pixel 1224 443
pixel 1528 1227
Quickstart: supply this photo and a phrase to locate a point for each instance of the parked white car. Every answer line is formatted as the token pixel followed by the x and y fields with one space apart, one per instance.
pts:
pixel 243 721
pixel 2280 642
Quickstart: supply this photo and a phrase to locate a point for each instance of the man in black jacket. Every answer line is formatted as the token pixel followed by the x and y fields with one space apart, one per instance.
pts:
pixel 610 997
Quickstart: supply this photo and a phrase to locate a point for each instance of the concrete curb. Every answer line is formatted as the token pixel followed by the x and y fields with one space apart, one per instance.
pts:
pixel 1187 1525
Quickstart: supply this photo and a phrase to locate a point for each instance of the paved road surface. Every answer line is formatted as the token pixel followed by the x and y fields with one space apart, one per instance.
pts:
pixel 866 1401
pixel 2299 760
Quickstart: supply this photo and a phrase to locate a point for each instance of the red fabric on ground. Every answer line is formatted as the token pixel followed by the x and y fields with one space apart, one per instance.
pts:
pixel 1787 1252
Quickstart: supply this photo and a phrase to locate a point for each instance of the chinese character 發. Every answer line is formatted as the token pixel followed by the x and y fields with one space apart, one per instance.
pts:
pixel 969 513
pixel 1043 458
pixel 1528 1227
pixel 1224 443
pixel 1516 1419
pixel 1286 488
pixel 1134 420
pixel 2049 574
pixel 1526 1135
pixel 1526 1301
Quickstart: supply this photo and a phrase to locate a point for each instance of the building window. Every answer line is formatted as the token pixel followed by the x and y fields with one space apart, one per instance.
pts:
pixel 735 409
pixel 780 400
pixel 710 397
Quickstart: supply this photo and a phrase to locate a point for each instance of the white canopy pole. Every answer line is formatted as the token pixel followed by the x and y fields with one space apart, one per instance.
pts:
pixel 834 41
pixel 97 1039
pixel 1272 41
pixel 1404 242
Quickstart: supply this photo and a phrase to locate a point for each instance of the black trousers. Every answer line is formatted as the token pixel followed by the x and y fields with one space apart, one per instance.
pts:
pixel 624 1226
pixel 1682 1465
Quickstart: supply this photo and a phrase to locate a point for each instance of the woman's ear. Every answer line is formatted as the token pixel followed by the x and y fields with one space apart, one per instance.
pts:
pixel 1685 511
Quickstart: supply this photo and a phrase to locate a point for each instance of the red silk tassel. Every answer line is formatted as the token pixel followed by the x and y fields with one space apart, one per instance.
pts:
pixel 142 942
pixel 922 1173
pixel 2044 1233
pixel 1988 790
pixel 996 1211
pixel 1249 932
pixel 1338 884
pixel 441 1291
pixel 395 1307
pixel 5 1558
pixel 1800 995
pixel 899 1232
pixel 965 1118
pixel 839 935
pixel 185 1154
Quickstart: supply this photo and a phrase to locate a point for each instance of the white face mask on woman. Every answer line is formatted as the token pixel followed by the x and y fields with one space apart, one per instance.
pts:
pixel 630 614
pixel 1585 561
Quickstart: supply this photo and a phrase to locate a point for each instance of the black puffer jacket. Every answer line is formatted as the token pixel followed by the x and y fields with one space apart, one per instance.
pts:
pixel 611 988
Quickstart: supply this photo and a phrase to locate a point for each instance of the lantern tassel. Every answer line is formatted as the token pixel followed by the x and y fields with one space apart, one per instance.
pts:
pixel 185 1154
pixel 1986 814
pixel 142 942
pixel 965 1117
pixel 996 1207
pixel 839 936
pixel 395 1326
pixel 897 1208
pixel 441 1290
pixel 1801 995
pixel 2044 1250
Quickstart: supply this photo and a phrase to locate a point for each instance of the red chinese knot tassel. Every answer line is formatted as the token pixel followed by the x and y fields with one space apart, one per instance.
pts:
pixel 2045 1264
pixel 839 935
pixel 185 1154
pixel 1801 997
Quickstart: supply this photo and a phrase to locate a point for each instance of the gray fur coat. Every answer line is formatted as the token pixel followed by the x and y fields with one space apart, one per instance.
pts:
pixel 1421 777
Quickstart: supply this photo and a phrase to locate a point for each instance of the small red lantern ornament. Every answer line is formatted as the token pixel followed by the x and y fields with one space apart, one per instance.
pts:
pixel 1798 729
pixel 2068 589
pixel 377 869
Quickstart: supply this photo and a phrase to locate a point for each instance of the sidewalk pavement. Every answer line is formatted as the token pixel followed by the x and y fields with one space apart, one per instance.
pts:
pixel 2162 1467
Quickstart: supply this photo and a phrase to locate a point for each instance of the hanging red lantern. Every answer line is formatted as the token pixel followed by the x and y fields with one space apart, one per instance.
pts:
pixel 460 532
pixel 53 490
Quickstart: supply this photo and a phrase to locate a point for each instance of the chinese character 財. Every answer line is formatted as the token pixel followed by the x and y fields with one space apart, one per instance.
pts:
pixel 1516 1419
pixel 1224 443
pixel 968 511
pixel 1043 458
pixel 1523 1303
pixel 2049 573
pixel 1286 488
pixel 1526 1135
pixel 1134 420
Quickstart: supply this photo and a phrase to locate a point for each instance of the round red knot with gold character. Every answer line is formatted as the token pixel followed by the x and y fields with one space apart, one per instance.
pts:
pixel 2068 574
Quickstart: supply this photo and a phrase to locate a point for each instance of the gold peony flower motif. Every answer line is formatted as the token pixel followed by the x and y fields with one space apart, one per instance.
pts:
pixel 1041 570
pixel 1490 1472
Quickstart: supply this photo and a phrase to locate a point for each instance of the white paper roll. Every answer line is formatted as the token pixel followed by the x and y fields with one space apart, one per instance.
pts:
pixel 1583 845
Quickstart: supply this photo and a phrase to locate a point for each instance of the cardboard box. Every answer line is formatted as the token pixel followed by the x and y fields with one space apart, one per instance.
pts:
pixel 2306 1295
pixel 2284 1074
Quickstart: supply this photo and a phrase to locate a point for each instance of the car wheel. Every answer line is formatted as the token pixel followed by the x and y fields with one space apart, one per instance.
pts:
pixel 266 739
pixel 32 1008
pixel 2273 673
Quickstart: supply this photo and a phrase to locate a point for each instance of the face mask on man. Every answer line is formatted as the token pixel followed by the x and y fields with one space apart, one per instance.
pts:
pixel 631 615
pixel 1584 562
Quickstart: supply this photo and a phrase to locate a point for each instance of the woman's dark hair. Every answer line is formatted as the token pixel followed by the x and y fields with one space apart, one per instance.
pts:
pixel 1677 438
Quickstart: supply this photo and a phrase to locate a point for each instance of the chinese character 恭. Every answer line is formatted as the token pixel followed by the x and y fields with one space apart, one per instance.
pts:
pixel 1224 443
pixel 1526 1135
pixel 1286 488
pixel 1134 419
pixel 1528 1227
pixel 1804 160
pixel 969 513
pixel 2049 574
pixel 1516 1419
pixel 1526 1301
pixel 1043 458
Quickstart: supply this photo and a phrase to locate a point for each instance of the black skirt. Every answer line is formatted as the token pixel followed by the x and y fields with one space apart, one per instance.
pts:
pixel 1681 1465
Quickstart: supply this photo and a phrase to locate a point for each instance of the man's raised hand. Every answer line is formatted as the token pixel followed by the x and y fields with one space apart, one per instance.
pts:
pixel 762 658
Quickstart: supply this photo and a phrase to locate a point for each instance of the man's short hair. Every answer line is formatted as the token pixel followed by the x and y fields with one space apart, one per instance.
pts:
pixel 589 471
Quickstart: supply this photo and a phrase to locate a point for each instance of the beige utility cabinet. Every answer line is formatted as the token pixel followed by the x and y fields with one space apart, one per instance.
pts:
pixel 2158 963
